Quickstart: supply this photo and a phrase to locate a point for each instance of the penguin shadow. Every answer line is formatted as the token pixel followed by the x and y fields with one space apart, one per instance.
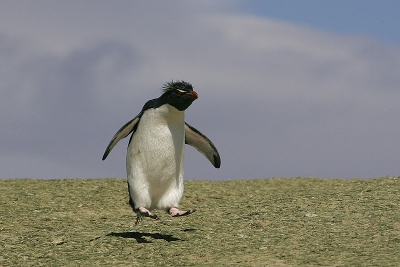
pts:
pixel 141 237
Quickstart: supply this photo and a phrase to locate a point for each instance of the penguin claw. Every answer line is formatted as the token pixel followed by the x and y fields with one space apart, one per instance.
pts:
pixel 175 212
pixel 139 218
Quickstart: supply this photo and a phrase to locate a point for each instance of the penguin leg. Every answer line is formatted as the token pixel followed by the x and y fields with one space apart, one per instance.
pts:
pixel 175 212
pixel 141 212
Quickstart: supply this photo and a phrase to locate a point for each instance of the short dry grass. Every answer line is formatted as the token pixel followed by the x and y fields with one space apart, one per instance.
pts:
pixel 271 222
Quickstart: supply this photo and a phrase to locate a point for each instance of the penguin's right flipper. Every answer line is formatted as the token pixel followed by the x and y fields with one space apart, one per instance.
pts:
pixel 123 132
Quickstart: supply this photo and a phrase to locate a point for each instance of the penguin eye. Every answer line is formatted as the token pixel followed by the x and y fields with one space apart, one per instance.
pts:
pixel 180 92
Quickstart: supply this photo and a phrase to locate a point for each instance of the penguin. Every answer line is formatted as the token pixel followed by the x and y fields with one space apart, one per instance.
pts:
pixel 155 154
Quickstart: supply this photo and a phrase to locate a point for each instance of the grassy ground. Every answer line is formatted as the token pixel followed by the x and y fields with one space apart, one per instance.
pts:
pixel 271 222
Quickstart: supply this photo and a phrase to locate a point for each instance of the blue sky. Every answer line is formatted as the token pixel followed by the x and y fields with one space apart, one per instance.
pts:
pixel 375 19
pixel 286 88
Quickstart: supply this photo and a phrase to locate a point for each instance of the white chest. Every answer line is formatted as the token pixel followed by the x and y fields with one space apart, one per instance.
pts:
pixel 157 147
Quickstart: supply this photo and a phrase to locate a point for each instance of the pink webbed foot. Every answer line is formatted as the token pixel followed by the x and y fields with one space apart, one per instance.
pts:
pixel 175 212
pixel 143 212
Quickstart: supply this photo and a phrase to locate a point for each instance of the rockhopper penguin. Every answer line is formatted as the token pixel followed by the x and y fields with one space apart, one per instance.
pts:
pixel 154 160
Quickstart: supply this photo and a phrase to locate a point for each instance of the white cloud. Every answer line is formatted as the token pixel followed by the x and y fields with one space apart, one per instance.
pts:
pixel 276 99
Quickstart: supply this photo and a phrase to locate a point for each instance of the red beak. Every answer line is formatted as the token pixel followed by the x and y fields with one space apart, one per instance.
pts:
pixel 194 95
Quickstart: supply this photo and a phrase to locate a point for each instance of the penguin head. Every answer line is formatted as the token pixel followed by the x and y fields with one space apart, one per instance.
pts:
pixel 179 94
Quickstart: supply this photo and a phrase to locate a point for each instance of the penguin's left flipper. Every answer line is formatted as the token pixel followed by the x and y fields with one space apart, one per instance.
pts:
pixel 123 132
pixel 199 141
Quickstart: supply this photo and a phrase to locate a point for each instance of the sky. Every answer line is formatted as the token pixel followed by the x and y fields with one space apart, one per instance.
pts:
pixel 286 88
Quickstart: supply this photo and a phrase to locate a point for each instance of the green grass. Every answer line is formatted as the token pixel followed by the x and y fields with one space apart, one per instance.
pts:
pixel 271 222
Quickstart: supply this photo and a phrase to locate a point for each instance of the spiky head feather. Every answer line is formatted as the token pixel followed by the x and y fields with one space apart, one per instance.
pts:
pixel 177 85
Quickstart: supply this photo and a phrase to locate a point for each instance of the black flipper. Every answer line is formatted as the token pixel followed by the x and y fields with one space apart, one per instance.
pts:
pixel 122 133
pixel 199 141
